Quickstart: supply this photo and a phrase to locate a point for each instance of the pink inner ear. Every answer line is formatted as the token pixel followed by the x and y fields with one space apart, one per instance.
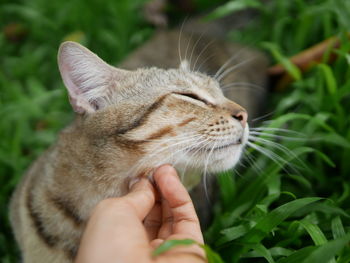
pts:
pixel 79 104
pixel 86 76
pixel 83 74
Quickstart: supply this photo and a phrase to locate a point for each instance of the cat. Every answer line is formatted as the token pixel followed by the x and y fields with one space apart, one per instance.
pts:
pixel 127 123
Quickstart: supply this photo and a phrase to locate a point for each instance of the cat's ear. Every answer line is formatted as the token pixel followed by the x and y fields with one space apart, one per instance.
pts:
pixel 184 65
pixel 86 76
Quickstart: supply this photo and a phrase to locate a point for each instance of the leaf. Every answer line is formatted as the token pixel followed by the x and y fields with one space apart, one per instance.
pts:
pixel 327 251
pixel 314 231
pixel 274 218
pixel 275 251
pixel 211 255
pixel 289 66
pixel 263 252
pixel 232 233
pixel 337 228
pixel 335 139
pixel 232 6
pixel 329 78
pixel 319 119
pixel 298 256
pixel 169 244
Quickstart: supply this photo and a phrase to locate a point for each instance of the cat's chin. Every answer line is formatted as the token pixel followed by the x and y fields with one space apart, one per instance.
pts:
pixel 221 159
pixel 218 161
pixel 224 160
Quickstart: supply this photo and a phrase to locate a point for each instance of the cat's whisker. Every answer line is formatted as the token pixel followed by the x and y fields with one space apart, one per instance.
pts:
pixel 204 61
pixel 162 149
pixel 180 36
pixel 194 47
pixel 189 148
pixel 203 142
pixel 205 170
pixel 263 116
pixel 206 46
pixel 173 155
pixel 163 140
pixel 243 85
pixel 271 155
pixel 188 44
pixel 178 140
pixel 232 68
pixel 279 146
pixel 250 159
pixel 199 147
pixel 275 130
pixel 276 136
pixel 222 68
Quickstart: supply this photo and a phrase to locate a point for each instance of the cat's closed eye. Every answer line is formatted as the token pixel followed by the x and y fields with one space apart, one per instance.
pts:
pixel 193 96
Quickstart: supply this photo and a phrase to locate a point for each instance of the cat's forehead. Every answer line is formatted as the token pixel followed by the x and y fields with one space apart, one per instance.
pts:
pixel 160 81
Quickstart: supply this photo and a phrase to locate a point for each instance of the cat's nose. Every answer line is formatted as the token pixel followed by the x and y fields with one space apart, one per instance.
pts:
pixel 236 111
pixel 242 117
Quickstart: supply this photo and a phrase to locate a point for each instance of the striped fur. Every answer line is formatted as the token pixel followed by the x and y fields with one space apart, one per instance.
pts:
pixel 127 123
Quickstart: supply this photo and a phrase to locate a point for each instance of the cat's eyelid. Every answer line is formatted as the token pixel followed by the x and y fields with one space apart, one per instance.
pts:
pixel 193 96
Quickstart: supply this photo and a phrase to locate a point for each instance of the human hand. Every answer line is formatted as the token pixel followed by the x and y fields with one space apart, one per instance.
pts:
pixel 129 228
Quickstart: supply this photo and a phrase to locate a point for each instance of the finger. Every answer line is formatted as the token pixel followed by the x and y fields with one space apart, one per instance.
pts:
pixel 115 228
pixel 141 197
pixel 156 243
pixel 167 221
pixel 153 221
pixel 180 204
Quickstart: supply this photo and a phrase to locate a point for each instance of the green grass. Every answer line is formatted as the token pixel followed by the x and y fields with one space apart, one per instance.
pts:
pixel 34 105
pixel 271 213
pixel 294 211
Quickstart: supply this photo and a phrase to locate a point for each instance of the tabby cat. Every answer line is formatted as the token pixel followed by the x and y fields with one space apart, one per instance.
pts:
pixel 127 123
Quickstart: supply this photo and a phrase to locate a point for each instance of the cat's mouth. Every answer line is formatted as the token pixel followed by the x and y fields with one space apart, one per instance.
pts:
pixel 213 149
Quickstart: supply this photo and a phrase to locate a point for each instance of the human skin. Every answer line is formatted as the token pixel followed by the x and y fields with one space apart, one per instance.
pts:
pixel 129 228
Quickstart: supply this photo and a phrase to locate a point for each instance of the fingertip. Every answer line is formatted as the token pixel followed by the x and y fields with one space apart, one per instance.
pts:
pixel 163 170
pixel 156 242
pixel 140 183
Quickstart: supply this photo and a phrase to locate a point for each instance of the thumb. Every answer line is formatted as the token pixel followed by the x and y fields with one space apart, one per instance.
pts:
pixel 141 197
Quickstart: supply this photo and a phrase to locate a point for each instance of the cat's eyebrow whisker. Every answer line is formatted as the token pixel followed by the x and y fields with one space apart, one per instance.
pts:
pixel 222 68
pixel 194 47
pixel 243 85
pixel 188 45
pixel 204 61
pixel 179 41
pixel 232 68
pixel 200 53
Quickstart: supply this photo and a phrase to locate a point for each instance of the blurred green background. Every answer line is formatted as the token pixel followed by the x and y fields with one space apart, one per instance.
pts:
pixel 271 212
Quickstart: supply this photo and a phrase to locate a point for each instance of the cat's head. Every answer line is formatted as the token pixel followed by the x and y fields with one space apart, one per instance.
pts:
pixel 154 116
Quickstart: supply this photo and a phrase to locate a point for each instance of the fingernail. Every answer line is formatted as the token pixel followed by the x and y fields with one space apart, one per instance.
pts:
pixel 166 168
